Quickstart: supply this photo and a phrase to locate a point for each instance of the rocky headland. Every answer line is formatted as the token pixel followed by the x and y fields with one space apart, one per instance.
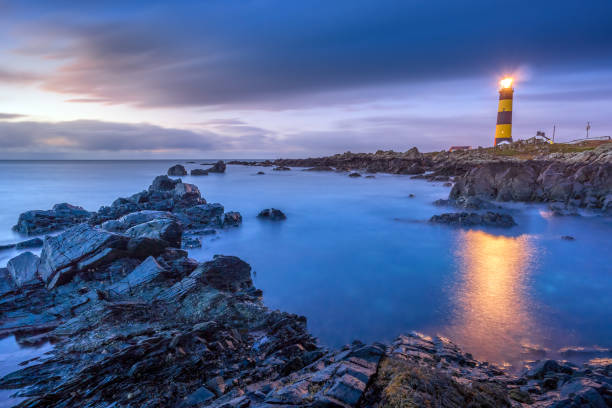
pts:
pixel 136 322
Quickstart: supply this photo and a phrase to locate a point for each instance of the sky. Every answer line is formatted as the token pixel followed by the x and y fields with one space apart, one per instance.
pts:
pixel 278 78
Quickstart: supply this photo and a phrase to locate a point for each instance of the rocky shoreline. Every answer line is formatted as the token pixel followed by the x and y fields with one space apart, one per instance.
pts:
pixel 136 322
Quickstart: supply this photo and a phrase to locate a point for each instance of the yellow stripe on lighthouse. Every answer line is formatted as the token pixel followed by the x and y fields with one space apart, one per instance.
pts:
pixel 503 128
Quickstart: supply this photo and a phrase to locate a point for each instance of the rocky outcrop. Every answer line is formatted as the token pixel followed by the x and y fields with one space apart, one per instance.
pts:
pixel 24 269
pixel 61 216
pixel 218 167
pixel 177 170
pixel 272 214
pixel 464 219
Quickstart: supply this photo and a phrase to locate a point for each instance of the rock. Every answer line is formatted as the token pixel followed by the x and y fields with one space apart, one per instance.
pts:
pixel 7 283
pixel 191 242
pixel 162 228
pixel 142 247
pixel 232 219
pixel 30 243
pixel 260 173
pixel 464 219
pixel 568 238
pixel 24 269
pixel 135 218
pixel 542 367
pixel 354 175
pixel 319 168
pixel 199 172
pixel 281 168
pixel 163 183
pixel 272 214
pixel 61 254
pixel 227 273
pixel 177 170
pixel 61 216
pixel 218 167
pixel 148 271
pixel 200 396
pixel 560 209
pixel 370 176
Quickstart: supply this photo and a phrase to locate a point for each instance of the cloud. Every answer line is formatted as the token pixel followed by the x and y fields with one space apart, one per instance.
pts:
pixel 246 53
pixel 18 77
pixel 9 116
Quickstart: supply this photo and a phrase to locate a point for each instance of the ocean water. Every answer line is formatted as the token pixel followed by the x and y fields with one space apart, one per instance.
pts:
pixel 359 260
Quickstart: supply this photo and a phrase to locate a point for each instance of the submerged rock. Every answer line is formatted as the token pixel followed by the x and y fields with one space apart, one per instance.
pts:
pixel 354 175
pixel 464 219
pixel 199 172
pixel 272 214
pixel 218 167
pixel 61 216
pixel 177 170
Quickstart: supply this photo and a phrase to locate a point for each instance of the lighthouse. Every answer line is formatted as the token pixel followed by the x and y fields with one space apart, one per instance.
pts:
pixel 503 129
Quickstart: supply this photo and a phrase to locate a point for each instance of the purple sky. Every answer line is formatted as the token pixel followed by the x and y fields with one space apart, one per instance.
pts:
pixel 270 78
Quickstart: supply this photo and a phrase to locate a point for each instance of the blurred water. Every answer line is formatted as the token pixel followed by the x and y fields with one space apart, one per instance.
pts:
pixel 358 259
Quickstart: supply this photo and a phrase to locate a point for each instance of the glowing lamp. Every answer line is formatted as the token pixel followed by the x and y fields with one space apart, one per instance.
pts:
pixel 506 83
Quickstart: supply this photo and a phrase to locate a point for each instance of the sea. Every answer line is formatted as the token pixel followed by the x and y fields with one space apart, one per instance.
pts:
pixel 359 259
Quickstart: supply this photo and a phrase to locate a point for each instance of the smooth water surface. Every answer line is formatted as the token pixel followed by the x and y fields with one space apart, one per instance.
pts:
pixel 357 257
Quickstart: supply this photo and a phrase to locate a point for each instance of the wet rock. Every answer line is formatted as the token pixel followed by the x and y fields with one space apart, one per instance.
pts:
pixel 543 367
pixel 227 273
pixel 162 228
pixel 61 254
pixel 177 170
pixel 218 167
pixel 61 216
pixel 354 175
pixel 24 269
pixel 7 283
pixel 281 168
pixel 142 247
pixel 163 183
pixel 319 168
pixel 148 271
pixel 232 219
pixel 260 173
pixel 205 214
pixel 30 243
pixel 561 209
pixel 199 397
pixel 567 238
pixel 464 219
pixel 199 172
pixel 191 242
pixel 135 218
pixel 272 214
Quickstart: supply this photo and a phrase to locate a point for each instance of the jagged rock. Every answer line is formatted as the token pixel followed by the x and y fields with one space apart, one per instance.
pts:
pixel 272 214
pixel 232 219
pixel 61 216
pixel 61 253
pixel 227 273
pixel 218 167
pixel 7 283
pixel 199 172
pixel 165 229
pixel 163 183
pixel 177 170
pixel 464 219
pixel 24 268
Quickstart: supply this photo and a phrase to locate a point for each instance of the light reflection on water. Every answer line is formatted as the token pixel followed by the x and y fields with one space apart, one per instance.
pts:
pixel 493 306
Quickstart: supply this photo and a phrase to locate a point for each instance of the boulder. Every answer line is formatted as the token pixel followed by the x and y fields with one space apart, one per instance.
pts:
pixel 218 167
pixel 204 214
pixel 227 273
pixel 191 242
pixel 199 172
pixel 177 170
pixel 148 271
pixel 260 173
pixel 61 254
pixel 272 214
pixel 142 247
pixel 24 269
pixel 232 219
pixel 163 183
pixel 464 219
pixel 61 216
pixel 162 228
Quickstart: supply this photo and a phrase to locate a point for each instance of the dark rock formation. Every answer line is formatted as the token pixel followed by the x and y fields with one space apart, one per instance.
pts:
pixel 319 168
pixel 177 170
pixel 272 214
pixel 24 269
pixel 61 216
pixel 464 219
pixel 218 167
pixel 281 168
pixel 199 172
pixel 232 219
pixel 568 238
pixel 354 175
pixel 191 242
pixel 260 173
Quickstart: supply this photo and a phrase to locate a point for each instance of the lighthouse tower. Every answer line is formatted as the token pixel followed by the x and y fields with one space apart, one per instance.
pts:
pixel 503 129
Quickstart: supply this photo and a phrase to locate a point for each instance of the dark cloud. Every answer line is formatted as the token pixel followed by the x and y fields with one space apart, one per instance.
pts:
pixel 9 116
pixel 220 53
